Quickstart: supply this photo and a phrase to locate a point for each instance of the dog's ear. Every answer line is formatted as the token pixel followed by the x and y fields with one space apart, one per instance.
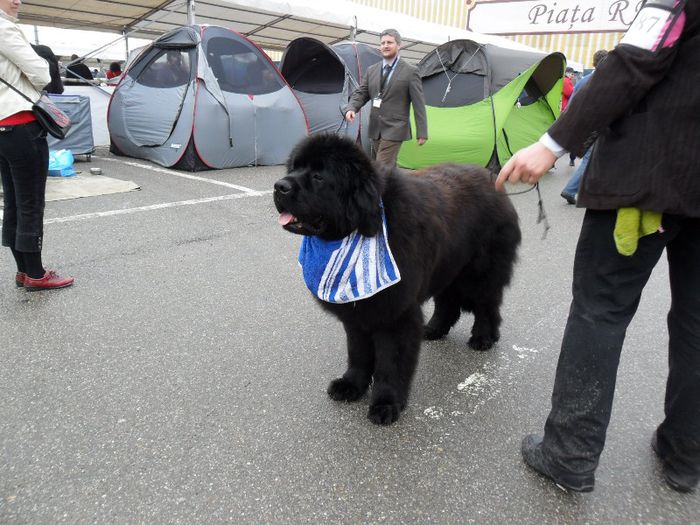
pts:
pixel 366 210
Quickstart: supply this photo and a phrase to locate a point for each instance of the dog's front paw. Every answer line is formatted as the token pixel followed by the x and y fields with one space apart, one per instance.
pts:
pixel 384 414
pixel 343 390
pixel 432 333
pixel 481 343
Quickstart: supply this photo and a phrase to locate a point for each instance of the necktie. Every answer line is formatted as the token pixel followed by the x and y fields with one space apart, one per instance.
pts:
pixel 385 75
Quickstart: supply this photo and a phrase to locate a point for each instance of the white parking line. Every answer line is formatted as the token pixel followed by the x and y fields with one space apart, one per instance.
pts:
pixel 127 211
pixel 178 174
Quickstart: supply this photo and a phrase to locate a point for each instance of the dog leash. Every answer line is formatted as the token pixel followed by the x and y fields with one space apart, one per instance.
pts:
pixel 343 122
pixel 541 213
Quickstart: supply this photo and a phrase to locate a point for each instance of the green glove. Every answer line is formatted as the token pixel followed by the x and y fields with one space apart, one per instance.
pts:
pixel 631 225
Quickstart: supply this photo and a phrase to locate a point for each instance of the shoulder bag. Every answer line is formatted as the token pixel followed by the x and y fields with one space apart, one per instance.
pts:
pixel 49 115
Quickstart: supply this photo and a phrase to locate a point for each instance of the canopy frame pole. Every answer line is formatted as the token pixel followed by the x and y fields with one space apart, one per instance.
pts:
pixel 353 31
pixel 190 12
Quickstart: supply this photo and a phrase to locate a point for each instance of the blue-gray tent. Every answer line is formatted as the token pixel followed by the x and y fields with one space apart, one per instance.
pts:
pixel 203 97
pixel 324 77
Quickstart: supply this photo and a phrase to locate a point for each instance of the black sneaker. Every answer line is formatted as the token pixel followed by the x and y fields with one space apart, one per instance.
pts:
pixel 677 479
pixel 571 199
pixel 535 457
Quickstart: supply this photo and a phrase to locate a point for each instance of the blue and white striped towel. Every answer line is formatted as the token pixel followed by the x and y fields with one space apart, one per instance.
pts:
pixel 349 269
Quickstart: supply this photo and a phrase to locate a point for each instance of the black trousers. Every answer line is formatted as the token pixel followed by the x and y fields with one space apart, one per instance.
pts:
pixel 24 162
pixel 607 288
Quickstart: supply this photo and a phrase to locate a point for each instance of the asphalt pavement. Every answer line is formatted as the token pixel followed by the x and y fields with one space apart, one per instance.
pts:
pixel 182 378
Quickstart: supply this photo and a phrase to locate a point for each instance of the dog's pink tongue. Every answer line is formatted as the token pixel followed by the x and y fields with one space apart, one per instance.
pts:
pixel 285 218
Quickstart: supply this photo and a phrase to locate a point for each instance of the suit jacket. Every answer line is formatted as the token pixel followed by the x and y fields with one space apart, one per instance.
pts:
pixel 390 121
pixel 644 107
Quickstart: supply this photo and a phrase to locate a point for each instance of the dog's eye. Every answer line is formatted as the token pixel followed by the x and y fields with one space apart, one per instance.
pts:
pixel 317 176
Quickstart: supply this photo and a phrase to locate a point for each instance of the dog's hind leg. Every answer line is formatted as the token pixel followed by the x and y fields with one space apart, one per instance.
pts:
pixel 487 322
pixel 357 377
pixel 445 315
pixel 396 350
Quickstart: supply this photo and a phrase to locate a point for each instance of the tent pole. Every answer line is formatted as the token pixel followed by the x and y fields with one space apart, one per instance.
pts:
pixel 36 35
pixel 190 12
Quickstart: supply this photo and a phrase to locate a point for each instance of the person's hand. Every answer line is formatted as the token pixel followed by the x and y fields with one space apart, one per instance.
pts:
pixel 350 116
pixel 422 141
pixel 527 165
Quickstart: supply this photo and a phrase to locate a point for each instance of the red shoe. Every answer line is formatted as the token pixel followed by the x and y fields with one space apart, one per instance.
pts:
pixel 49 281
pixel 19 279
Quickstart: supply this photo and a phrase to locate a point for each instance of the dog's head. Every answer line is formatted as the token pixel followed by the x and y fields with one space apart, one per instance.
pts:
pixel 331 189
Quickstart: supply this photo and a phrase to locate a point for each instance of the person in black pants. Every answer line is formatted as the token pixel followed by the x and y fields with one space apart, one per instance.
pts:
pixel 642 195
pixel 24 155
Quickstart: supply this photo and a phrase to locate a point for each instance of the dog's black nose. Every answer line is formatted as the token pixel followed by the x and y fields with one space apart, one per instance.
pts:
pixel 283 186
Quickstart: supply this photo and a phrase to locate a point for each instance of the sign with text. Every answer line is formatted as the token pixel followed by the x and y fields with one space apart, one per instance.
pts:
pixel 507 17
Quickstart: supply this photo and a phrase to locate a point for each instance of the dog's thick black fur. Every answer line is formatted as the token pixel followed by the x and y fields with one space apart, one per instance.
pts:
pixel 453 237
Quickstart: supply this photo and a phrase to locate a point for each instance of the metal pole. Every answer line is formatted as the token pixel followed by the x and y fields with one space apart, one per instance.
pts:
pixel 36 35
pixel 126 45
pixel 353 31
pixel 190 12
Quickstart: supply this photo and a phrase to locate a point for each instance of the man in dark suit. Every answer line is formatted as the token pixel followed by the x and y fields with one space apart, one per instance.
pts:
pixel 392 85
pixel 642 196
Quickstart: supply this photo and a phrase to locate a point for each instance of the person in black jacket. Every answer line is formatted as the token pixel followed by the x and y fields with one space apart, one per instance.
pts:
pixel 56 84
pixel 642 194
pixel 78 70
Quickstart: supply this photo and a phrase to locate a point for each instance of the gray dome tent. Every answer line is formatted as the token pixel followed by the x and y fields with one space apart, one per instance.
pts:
pixel 323 78
pixel 203 97
pixel 484 102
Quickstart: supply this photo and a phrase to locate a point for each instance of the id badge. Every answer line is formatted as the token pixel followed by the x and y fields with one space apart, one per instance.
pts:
pixel 376 102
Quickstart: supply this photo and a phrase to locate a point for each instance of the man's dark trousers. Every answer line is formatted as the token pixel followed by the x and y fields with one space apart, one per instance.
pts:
pixel 607 288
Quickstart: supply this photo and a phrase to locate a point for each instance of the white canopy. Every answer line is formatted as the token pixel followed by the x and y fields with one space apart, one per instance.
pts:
pixel 272 24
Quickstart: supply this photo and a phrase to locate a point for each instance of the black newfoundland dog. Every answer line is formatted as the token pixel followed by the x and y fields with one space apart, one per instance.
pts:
pixel 452 235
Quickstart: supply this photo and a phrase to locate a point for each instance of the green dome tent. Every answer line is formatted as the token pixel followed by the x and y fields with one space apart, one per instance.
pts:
pixel 484 102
